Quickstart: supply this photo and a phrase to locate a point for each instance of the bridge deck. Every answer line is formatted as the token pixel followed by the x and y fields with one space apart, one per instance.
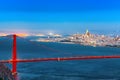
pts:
pixel 60 59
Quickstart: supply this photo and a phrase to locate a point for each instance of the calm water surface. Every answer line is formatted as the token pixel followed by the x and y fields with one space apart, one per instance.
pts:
pixel 104 69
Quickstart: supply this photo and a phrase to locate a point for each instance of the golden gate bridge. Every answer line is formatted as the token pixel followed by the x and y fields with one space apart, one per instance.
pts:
pixel 14 60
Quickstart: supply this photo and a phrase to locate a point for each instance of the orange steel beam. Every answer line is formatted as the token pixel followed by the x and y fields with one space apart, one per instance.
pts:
pixel 14 55
pixel 60 59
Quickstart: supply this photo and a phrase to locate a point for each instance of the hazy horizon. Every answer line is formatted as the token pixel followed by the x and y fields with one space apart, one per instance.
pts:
pixel 64 16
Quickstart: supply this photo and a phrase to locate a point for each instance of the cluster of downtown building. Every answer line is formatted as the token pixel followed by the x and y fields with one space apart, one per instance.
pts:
pixel 84 39
pixel 95 40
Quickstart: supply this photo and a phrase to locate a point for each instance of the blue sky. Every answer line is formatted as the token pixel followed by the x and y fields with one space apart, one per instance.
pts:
pixel 60 16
